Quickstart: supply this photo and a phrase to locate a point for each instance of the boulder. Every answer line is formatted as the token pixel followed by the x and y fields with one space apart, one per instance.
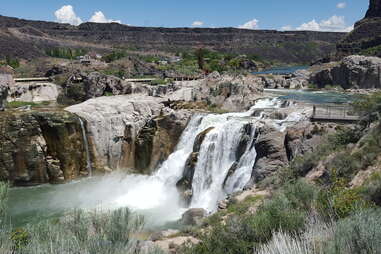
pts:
pixel 271 153
pixel 174 245
pixel 193 217
pixel 163 234
pixel 97 84
pixel 304 136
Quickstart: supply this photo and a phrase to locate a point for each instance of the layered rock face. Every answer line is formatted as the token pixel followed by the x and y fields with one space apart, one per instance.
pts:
pixel 366 34
pixel 128 132
pixel 352 72
pixel 41 147
pixel 374 9
pixel 23 38
pixel 158 139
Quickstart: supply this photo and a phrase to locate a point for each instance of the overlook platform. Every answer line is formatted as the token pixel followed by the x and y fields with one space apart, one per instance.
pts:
pixel 343 114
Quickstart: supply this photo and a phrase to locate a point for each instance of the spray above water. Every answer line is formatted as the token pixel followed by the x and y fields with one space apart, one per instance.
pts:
pixel 225 164
pixel 219 169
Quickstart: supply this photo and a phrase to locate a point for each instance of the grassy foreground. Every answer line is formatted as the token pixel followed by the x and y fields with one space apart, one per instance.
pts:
pixel 325 216
pixel 79 232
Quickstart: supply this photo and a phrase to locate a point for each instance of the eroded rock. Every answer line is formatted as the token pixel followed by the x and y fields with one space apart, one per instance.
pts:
pixel 193 217
pixel 40 147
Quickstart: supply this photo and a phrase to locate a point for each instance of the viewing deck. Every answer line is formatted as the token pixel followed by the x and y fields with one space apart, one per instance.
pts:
pixel 43 79
pixel 344 114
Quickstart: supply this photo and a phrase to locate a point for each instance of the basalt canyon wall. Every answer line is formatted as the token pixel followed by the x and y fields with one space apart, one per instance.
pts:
pixel 366 36
pixel 41 147
pixel 23 38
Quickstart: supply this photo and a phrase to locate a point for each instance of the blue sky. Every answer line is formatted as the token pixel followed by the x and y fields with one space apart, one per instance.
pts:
pixel 330 15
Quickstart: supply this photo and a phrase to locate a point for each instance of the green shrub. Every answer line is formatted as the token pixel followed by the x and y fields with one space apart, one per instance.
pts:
pixel 114 55
pixel 371 190
pixel 337 201
pixel 67 53
pixel 369 107
pixel 243 232
pixel 20 238
pixel 359 233
pixel 13 62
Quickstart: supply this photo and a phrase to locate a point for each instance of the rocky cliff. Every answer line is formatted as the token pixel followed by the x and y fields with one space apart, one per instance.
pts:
pixel 366 36
pixel 25 38
pixel 374 10
pixel 352 72
pixel 131 132
pixel 41 147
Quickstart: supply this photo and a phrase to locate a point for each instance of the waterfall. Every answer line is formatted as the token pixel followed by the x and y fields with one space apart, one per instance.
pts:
pixel 219 170
pixel 86 144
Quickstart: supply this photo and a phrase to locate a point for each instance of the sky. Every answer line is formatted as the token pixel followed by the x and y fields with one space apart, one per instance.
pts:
pixel 322 15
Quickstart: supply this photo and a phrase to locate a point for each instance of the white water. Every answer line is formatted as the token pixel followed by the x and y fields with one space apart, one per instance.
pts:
pixel 156 196
pixel 86 144
pixel 216 156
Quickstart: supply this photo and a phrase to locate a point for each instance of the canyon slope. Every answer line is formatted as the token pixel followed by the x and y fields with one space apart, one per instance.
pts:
pixel 28 39
pixel 366 36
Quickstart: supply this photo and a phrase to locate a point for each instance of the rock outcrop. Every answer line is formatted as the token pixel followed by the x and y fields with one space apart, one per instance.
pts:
pixel 5 81
pixel 271 153
pixel 355 71
pixel 158 139
pixel 366 36
pixel 41 147
pixel 193 217
pixel 374 10
pixel 231 93
pixel 33 92
pixel 120 126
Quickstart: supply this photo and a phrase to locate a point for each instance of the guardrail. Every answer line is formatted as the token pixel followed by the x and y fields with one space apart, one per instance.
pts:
pixel 334 114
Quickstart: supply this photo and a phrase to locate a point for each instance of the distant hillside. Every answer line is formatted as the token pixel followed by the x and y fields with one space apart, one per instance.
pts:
pixel 366 37
pixel 27 39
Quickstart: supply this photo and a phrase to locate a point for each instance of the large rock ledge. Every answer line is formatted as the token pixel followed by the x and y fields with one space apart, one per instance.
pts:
pixel 134 132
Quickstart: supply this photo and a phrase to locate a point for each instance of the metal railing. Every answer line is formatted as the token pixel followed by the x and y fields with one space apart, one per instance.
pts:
pixel 334 113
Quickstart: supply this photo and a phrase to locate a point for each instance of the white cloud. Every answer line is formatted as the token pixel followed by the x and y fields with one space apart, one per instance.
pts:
pixel 197 23
pixel 310 26
pixel 333 24
pixel 99 17
pixel 66 14
pixel 341 5
pixel 252 24
pixel 286 28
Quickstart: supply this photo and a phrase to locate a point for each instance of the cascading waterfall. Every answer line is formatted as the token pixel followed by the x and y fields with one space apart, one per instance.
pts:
pixel 86 143
pixel 216 157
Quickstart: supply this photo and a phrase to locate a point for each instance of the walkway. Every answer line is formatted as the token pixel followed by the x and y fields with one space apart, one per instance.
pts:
pixel 345 114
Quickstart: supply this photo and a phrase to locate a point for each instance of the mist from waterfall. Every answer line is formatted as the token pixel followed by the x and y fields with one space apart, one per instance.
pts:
pixel 216 157
pixel 156 196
